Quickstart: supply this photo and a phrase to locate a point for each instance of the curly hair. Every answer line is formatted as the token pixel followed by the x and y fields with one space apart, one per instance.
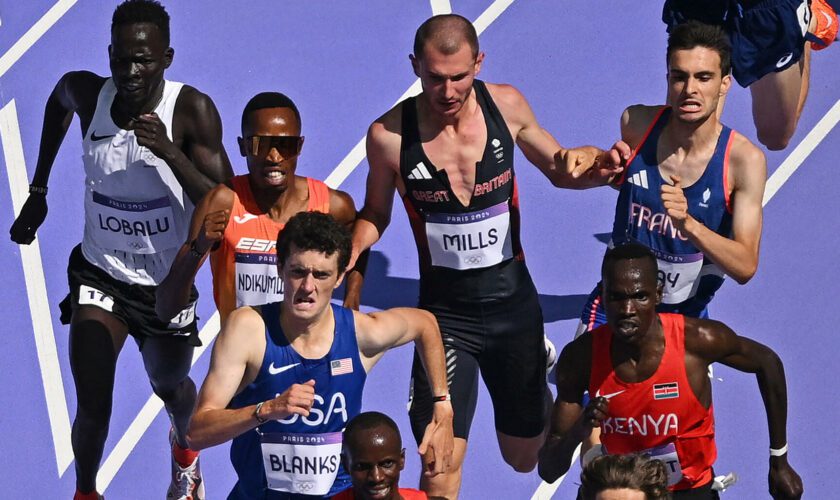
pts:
pixel 315 231
pixel 625 471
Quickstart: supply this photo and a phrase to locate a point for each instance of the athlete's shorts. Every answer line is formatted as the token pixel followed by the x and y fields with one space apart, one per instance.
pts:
pixel 503 339
pixel 766 35
pixel 134 305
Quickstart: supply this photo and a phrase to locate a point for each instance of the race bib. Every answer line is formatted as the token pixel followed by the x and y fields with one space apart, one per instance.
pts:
pixel 667 454
pixel 470 240
pixel 183 318
pixel 141 227
pixel 257 279
pixel 678 275
pixel 89 296
pixel 301 463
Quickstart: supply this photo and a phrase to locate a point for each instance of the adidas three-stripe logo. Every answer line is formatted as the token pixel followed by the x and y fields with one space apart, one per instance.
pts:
pixel 639 179
pixel 420 172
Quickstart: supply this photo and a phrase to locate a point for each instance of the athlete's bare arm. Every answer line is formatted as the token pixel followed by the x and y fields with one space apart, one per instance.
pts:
pixel 378 332
pixel 343 210
pixel 207 228
pixel 576 168
pixel 570 423
pixel 237 356
pixel 197 157
pixel 383 153
pixel 738 256
pixel 711 341
pixel 75 93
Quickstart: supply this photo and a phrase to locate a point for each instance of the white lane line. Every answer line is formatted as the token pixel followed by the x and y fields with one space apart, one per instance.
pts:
pixel 357 154
pixel 36 293
pixel 34 34
pixel 774 183
pixel 147 414
pixel 801 152
pixel 546 490
pixel 441 7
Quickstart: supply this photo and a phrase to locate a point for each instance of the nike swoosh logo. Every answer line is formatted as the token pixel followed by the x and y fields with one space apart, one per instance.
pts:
pixel 244 218
pixel 95 137
pixel 828 18
pixel 275 371
pixel 608 396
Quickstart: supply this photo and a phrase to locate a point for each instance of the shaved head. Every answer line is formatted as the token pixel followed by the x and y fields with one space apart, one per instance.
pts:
pixel 446 33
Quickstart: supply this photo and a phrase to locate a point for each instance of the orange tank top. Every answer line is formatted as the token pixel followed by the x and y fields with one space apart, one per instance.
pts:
pixel 660 416
pixel 245 264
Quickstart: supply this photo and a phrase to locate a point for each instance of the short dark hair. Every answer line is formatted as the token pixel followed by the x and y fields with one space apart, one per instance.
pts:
pixel 627 251
pixel 315 231
pixel 625 471
pixel 447 32
pixel 265 100
pixel 370 420
pixel 142 11
pixel 693 33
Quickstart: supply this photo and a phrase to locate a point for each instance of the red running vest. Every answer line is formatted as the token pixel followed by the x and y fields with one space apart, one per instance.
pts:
pixel 660 416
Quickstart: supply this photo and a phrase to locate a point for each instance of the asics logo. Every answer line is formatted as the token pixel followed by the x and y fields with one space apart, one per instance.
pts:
pixel 276 371
pixel 244 218
pixel 784 60
pixel 608 396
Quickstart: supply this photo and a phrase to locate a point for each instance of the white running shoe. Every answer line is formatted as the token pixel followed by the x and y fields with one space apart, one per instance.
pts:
pixel 187 483
pixel 721 483
pixel 550 359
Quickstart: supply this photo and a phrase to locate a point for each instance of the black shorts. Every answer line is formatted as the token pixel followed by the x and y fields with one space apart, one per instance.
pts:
pixel 134 305
pixel 766 35
pixel 503 339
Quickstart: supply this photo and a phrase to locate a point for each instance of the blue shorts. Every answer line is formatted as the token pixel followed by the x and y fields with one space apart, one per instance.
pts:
pixel 766 35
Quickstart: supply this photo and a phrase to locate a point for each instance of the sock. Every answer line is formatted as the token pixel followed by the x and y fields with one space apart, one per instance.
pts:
pixel 184 456
pixel 93 495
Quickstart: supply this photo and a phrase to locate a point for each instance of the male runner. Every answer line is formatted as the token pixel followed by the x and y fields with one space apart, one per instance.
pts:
pixel 151 149
pixel 449 154
pixel 647 372
pixel 624 477
pixel 286 378
pixel 693 189
pixel 243 257
pixel 771 45
pixel 374 457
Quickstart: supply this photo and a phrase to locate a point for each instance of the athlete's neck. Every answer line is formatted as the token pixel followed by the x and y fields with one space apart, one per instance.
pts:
pixel 684 136
pixel 438 121
pixel 310 337
pixel 639 358
pixel 280 205
pixel 131 113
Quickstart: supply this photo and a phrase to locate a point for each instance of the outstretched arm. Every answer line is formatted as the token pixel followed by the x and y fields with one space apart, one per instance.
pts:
pixel 207 229
pixel 237 355
pixel 73 91
pixel 378 332
pixel 713 341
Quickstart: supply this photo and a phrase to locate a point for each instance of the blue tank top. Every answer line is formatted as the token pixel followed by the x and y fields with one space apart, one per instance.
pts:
pixel 339 380
pixel 690 279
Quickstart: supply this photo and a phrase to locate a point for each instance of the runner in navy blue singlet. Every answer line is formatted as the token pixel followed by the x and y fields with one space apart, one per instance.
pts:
pixel 285 378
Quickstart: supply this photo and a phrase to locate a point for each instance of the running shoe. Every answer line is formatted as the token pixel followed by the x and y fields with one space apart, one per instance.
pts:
pixel 825 30
pixel 187 483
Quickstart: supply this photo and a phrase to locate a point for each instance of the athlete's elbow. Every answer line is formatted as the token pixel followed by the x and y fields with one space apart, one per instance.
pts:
pixel 194 438
pixel 743 276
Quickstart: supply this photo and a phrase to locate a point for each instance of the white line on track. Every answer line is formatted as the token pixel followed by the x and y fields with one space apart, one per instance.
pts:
pixel 802 150
pixel 546 490
pixel 34 34
pixel 147 414
pixel 357 154
pixel 778 179
pixel 441 7
pixel 36 294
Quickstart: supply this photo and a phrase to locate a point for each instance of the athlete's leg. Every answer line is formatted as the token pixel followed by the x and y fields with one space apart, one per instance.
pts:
pixel 96 338
pixel 167 361
pixel 462 375
pixel 522 453
pixel 777 101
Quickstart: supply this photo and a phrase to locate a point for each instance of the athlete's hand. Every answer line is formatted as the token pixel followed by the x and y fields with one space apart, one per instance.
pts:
pixel 296 400
pixel 438 441
pixel 31 216
pixel 785 483
pixel 676 206
pixel 151 133
pixel 612 162
pixel 590 163
pixel 212 230
pixel 596 411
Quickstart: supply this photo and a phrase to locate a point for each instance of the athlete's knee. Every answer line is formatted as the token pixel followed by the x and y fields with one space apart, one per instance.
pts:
pixel 521 461
pixel 775 136
pixel 169 386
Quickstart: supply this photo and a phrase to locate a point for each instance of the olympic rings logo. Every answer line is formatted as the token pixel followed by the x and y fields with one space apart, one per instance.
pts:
pixel 304 486
pixel 473 259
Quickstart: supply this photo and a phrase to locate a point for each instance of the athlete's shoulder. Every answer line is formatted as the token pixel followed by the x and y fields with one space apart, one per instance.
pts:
pixel 384 137
pixel 195 105
pixel 220 197
pixel 507 97
pixel 702 335
pixel 242 322
pixel 342 207
pixel 636 120
pixel 80 89
pixel 744 153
